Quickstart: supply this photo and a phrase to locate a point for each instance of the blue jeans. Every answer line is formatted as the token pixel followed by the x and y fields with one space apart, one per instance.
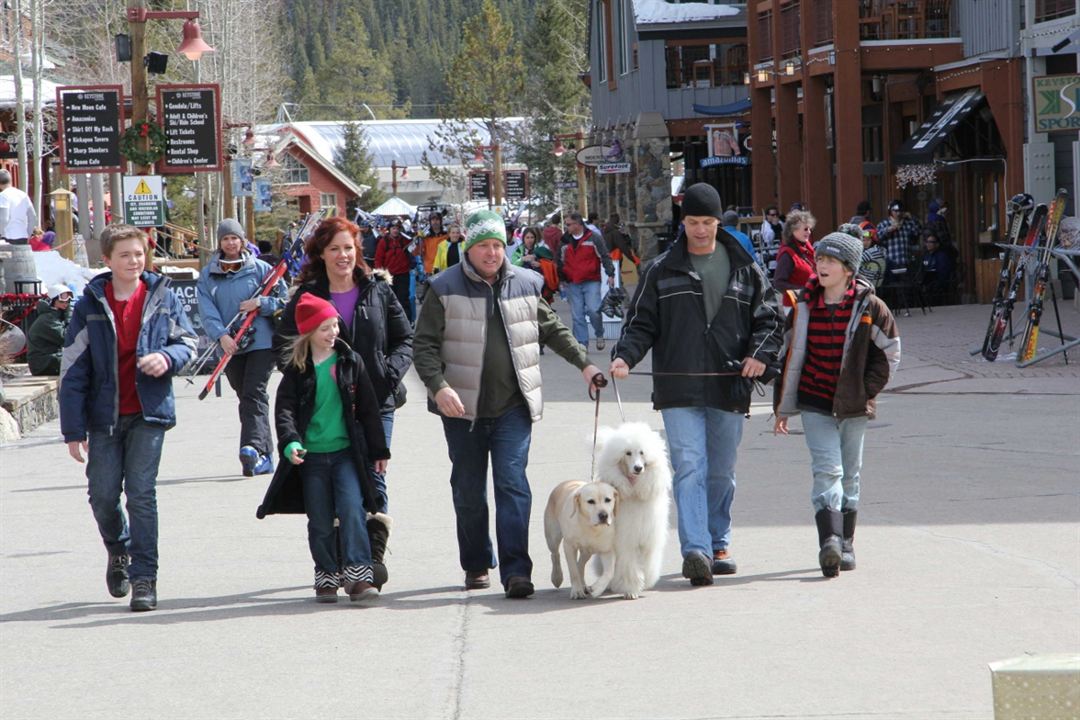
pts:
pixel 332 489
pixel 703 444
pixel 506 440
pixel 378 477
pixel 585 305
pixel 835 459
pixel 127 461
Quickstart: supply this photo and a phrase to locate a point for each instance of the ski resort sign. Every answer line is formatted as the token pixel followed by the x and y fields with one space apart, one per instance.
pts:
pixel 1056 100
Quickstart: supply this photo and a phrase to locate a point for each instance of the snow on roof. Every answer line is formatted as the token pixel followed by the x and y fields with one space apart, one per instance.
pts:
pixel 7 91
pixel 656 12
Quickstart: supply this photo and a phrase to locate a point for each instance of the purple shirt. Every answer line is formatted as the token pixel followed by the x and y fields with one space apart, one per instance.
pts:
pixel 346 305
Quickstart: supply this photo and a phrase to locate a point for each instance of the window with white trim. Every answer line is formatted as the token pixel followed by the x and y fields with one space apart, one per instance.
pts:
pixel 296 173
pixel 327 200
pixel 601 42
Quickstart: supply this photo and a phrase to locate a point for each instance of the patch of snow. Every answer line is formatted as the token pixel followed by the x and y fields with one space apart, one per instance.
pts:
pixel 655 12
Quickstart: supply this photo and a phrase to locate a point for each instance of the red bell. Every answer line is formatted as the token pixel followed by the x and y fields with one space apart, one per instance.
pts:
pixel 193 45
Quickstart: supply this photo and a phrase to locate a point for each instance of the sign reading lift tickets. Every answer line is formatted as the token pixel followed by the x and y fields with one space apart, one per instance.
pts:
pixel 191 119
pixel 90 119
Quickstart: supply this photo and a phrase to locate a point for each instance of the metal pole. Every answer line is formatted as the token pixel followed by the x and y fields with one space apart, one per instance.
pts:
pixel 583 195
pixel 496 150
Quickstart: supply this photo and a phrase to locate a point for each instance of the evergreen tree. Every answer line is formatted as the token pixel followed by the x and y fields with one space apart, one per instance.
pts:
pixel 355 161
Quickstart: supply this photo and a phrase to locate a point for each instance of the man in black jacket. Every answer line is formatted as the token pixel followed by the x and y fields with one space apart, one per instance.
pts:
pixel 703 307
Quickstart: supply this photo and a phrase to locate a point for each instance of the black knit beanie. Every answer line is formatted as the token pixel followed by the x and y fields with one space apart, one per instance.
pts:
pixel 701 199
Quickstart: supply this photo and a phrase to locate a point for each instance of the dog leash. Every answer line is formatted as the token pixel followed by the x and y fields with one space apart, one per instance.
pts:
pixel 759 387
pixel 597 382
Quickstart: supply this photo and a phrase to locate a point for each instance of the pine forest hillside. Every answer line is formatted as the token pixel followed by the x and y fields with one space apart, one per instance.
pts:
pixel 390 55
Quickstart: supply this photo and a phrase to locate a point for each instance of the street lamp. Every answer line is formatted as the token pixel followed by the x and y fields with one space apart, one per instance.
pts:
pixel 559 150
pixel 193 45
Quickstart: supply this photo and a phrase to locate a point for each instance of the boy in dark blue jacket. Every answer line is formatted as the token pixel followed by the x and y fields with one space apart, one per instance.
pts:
pixel 127 338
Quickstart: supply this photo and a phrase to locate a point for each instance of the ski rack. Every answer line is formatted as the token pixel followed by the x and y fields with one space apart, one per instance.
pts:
pixel 1068 342
pixel 1025 252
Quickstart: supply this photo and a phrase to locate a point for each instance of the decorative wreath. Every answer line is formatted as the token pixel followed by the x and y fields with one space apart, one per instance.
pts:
pixel 129 142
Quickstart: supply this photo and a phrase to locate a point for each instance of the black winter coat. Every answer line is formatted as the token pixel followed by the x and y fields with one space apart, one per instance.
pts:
pixel 293 409
pixel 381 333
pixel 667 315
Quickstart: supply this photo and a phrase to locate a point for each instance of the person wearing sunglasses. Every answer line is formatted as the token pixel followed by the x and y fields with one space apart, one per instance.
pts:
pixel 228 289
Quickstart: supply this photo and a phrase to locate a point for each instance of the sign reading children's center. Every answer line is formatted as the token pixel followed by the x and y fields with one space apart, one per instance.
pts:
pixel 144 200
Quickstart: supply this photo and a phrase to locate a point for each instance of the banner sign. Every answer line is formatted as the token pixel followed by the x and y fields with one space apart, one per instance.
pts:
pixel 1056 101
pixel 515 184
pixel 144 201
pixel 716 160
pixel 262 198
pixel 479 186
pixel 242 179
pixel 191 118
pixel 90 119
pixel 612 168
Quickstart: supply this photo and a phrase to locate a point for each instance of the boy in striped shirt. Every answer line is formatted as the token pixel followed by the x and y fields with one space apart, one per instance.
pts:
pixel 841 347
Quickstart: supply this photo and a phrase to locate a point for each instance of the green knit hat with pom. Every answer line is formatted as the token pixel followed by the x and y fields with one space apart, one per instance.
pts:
pixel 484 225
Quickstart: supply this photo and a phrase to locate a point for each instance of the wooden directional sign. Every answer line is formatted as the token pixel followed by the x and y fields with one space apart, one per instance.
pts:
pixel 516 184
pixel 479 185
pixel 191 118
pixel 90 118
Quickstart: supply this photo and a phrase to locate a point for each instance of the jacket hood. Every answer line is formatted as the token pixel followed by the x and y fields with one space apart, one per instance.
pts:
pixel 382 274
pixel 679 253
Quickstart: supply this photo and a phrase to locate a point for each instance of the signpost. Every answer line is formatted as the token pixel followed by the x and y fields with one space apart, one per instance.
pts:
pixel 480 185
pixel 191 118
pixel 90 121
pixel 516 184
pixel 144 200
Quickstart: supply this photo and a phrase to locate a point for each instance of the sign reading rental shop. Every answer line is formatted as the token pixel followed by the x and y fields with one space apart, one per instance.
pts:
pixel 1057 102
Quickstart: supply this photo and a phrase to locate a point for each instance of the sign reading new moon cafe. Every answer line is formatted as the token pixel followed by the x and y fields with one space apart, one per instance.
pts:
pixel 1056 100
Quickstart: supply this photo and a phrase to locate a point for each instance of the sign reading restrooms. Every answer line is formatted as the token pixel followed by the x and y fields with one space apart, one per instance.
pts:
pixel 191 118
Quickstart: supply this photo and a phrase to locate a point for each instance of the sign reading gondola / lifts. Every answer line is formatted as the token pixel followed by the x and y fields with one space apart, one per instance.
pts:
pixel 144 201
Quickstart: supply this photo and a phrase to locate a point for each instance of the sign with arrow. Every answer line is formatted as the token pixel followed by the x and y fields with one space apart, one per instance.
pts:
pixel 144 200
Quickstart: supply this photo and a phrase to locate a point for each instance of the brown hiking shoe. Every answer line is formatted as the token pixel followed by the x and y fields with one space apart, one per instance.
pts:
pixel 723 563
pixel 477 580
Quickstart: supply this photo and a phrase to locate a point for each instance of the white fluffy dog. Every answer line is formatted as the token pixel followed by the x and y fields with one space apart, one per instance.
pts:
pixel 633 459
pixel 579 515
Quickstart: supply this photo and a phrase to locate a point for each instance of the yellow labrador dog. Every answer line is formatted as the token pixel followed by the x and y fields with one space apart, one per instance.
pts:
pixel 580 516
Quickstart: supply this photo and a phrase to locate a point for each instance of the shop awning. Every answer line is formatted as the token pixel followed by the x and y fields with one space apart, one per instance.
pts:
pixel 947 116
pixel 735 108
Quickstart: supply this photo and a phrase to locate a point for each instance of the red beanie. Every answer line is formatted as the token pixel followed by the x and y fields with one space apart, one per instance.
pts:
pixel 311 312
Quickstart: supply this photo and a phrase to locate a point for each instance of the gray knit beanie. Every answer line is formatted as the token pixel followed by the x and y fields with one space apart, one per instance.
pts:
pixel 843 247
pixel 228 226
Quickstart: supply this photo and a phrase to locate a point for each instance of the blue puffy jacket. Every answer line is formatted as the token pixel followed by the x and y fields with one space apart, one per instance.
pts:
pixel 89 380
pixel 220 295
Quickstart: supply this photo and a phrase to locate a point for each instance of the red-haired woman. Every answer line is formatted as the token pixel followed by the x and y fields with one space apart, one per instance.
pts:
pixel 372 322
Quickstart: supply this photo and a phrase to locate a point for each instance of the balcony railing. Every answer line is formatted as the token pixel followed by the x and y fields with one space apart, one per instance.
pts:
pixel 906 19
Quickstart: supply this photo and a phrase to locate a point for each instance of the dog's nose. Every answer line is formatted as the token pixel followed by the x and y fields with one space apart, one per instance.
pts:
pixel 638 468
pixel 602 516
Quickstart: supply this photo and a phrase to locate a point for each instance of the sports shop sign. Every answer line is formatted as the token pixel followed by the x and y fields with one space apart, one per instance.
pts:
pixel 1056 102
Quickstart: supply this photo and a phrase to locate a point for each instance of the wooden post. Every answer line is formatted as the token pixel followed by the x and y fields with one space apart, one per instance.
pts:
pixel 140 99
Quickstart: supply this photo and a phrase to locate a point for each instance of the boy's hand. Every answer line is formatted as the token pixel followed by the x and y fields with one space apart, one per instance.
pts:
pixel 380 465
pixel 780 426
pixel 76 449
pixel 154 364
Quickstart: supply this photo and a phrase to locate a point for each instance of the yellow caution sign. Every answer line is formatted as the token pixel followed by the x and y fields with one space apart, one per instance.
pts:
pixel 143 189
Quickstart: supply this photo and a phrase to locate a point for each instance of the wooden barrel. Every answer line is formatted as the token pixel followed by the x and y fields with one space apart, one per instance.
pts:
pixel 18 266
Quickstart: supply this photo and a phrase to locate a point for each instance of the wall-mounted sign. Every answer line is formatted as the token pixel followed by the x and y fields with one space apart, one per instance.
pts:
pixel 566 184
pixel 716 161
pixel 1056 100
pixel 479 185
pixel 144 201
pixel 90 119
pixel 515 184
pixel 191 118
pixel 723 139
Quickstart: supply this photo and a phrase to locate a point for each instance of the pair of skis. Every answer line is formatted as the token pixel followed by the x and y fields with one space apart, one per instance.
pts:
pixel 1042 222
pixel 292 251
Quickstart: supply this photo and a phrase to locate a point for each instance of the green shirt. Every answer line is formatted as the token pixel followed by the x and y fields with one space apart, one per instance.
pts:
pixel 326 432
pixel 715 272
pixel 499 389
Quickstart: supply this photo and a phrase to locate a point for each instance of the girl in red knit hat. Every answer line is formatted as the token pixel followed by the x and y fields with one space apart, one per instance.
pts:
pixel 329 429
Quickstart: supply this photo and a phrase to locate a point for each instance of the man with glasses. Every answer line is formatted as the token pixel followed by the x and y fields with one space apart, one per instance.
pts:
pixel 581 254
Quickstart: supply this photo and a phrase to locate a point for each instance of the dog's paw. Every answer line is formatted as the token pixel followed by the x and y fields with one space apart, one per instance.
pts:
pixel 578 593
pixel 631 595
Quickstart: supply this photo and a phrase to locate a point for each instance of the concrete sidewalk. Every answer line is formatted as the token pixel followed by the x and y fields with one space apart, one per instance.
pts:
pixel 968 551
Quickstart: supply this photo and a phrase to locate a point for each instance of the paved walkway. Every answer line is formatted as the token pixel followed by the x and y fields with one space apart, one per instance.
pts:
pixel 968 550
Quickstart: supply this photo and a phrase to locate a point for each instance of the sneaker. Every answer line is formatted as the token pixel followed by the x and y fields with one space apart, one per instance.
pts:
pixel 723 563
pixel 601 343
pixel 326 594
pixel 249 458
pixel 361 591
pixel 116 575
pixel 477 580
pixel 519 587
pixel 265 466
pixel 144 595
pixel 697 568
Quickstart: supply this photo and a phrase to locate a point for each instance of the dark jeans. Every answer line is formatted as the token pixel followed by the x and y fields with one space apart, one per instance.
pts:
pixel 332 489
pixel 378 477
pixel 505 440
pixel 401 289
pixel 127 461
pixel 248 374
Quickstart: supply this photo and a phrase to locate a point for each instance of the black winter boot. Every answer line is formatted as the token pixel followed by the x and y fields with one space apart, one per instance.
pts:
pixel 847 554
pixel 378 528
pixel 830 526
